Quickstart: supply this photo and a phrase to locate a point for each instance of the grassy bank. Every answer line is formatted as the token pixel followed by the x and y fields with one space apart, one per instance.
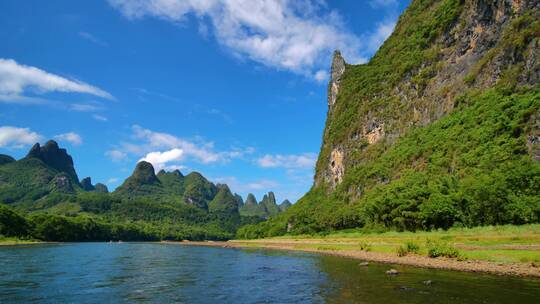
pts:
pixel 503 250
pixel 501 244
pixel 6 241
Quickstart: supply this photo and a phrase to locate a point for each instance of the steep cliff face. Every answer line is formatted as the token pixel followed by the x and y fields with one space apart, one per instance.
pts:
pixel 439 50
pixel 440 128
pixel 55 157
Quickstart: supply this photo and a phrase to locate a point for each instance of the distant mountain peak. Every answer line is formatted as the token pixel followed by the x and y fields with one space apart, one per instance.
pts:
pixel 284 205
pixel 101 188
pixel 6 159
pixel 251 200
pixel 54 156
pixel 86 184
pixel 144 173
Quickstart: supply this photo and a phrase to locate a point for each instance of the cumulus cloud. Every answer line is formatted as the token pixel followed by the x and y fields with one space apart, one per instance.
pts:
pixel 198 150
pixel 297 36
pixel 160 159
pixel 16 79
pixel 301 161
pixel 165 150
pixel 13 137
pixel 70 137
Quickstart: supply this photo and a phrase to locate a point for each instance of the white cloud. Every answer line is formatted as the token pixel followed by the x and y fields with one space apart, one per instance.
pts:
pixel 100 117
pixel 16 79
pixel 383 31
pixel 301 161
pixel 23 100
pixel 92 39
pixel 86 107
pixel 70 137
pixel 160 159
pixel 116 155
pixel 112 181
pixel 13 137
pixel 169 152
pixel 198 150
pixel 321 76
pixel 297 36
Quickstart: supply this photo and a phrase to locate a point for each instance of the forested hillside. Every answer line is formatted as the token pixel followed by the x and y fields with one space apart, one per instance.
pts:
pixel 42 198
pixel 441 128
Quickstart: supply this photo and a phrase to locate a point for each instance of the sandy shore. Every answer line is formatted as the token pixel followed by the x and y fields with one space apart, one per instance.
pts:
pixel 511 269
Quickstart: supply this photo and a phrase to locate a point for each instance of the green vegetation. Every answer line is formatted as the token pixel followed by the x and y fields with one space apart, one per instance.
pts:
pixel 405 51
pixel 441 249
pixel 364 246
pixel 42 202
pixel 501 244
pixel 408 247
pixel 467 169
pixel 458 150
pixel 266 208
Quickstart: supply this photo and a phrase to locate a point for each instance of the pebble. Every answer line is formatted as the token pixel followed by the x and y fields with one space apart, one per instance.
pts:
pixel 363 264
pixel 392 272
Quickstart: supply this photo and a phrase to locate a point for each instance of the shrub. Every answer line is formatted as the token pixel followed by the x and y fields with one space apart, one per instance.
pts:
pixel 408 247
pixel 364 246
pixel 441 249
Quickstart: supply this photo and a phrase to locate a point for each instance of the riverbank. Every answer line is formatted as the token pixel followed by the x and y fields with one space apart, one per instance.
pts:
pixel 4 241
pixel 503 250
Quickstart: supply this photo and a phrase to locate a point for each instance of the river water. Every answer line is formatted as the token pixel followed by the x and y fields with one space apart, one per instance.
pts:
pixel 165 273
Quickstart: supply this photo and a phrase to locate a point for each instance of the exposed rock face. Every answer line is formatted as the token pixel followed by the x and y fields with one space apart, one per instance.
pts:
pixel 62 183
pixel 54 157
pixel 373 131
pixel 86 184
pixel 334 174
pixel 338 68
pixel 476 51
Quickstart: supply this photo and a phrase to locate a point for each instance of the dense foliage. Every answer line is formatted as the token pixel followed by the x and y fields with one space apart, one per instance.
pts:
pixel 169 206
pixel 455 120
pixel 467 169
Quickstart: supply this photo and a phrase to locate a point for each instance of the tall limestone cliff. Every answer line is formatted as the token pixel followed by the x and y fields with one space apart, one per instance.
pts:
pixel 55 157
pixel 440 128
pixel 438 50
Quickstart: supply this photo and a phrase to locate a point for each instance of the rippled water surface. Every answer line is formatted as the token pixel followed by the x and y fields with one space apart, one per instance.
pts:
pixel 163 273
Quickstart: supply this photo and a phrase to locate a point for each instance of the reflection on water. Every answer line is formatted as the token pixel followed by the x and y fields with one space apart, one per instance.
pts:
pixel 160 273
pixel 355 284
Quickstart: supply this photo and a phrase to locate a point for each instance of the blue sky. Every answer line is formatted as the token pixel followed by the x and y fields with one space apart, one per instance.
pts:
pixel 233 89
